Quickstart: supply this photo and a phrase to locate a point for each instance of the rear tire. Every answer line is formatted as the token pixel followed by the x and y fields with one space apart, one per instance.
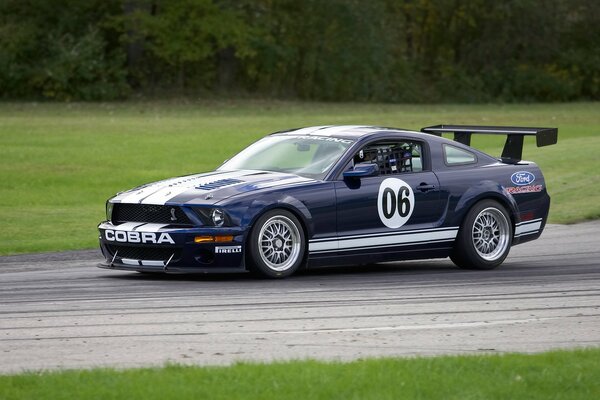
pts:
pixel 485 237
pixel 277 244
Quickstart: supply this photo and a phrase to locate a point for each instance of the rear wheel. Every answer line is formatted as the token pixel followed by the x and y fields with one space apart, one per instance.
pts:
pixel 277 244
pixel 485 237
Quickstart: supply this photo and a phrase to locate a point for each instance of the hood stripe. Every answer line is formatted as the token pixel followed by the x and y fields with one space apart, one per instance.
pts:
pixel 139 195
pixel 161 192
pixel 165 191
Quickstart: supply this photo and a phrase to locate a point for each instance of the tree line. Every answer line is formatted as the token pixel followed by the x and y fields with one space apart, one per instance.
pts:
pixel 329 50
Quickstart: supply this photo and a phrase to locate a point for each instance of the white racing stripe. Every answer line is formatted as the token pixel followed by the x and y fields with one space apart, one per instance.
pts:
pixel 150 227
pixel 528 228
pixel 329 130
pixel 145 263
pixel 153 263
pixel 159 193
pixel 308 130
pixel 292 181
pixel 127 226
pixel 336 129
pixel 388 240
pixel 138 195
pixel 393 233
pixel 163 195
pixel 134 226
pixel 382 246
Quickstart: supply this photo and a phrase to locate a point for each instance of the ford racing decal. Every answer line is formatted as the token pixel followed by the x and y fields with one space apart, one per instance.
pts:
pixel 522 178
pixel 525 189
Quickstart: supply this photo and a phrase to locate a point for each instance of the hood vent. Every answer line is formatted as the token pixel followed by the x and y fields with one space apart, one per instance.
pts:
pixel 218 184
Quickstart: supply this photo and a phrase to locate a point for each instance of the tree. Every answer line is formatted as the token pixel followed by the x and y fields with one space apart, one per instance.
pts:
pixel 186 35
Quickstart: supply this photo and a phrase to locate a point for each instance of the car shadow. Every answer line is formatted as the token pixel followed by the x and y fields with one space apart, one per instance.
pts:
pixel 410 267
pixel 398 267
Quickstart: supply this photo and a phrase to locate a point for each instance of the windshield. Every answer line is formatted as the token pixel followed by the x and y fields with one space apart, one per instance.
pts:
pixel 310 156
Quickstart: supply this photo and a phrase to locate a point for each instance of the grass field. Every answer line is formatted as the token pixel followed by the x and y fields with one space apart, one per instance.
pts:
pixel 553 375
pixel 60 162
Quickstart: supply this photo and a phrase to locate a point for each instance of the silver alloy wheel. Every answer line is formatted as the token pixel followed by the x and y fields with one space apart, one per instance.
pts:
pixel 490 234
pixel 279 243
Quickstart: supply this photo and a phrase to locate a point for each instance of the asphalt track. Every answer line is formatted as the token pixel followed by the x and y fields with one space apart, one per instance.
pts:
pixel 60 311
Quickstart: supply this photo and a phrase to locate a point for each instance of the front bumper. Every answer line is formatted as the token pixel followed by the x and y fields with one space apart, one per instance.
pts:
pixel 159 248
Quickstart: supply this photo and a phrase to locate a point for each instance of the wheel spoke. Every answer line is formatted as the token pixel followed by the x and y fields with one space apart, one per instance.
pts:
pixel 279 243
pixel 490 234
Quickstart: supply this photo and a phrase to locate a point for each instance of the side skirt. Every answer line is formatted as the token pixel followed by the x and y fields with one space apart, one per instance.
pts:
pixel 357 257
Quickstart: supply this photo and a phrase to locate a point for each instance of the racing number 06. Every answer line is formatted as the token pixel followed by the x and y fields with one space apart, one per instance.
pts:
pixel 395 202
pixel 389 202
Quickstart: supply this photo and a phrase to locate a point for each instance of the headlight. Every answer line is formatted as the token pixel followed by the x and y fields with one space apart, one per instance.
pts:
pixel 109 209
pixel 218 217
pixel 212 216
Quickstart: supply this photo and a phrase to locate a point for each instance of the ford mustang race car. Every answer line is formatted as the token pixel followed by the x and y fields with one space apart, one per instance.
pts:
pixel 332 195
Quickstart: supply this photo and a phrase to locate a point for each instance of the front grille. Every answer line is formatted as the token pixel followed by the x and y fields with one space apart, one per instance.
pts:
pixel 145 253
pixel 149 213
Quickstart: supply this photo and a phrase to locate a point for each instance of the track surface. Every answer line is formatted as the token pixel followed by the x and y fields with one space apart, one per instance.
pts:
pixel 60 311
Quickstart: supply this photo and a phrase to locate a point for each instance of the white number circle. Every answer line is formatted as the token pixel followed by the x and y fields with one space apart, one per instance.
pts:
pixel 395 202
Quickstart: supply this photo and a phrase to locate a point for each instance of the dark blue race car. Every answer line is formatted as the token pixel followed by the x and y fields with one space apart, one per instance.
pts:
pixel 332 195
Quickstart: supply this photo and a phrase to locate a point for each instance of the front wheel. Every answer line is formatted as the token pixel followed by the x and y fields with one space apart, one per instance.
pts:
pixel 485 237
pixel 277 244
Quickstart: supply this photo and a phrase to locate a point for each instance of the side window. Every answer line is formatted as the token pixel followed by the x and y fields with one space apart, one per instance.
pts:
pixel 392 157
pixel 455 156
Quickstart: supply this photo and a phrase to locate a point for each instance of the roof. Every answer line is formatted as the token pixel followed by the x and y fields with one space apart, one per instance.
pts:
pixel 343 131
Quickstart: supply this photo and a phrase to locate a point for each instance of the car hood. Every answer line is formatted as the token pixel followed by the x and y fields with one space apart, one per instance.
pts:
pixel 207 188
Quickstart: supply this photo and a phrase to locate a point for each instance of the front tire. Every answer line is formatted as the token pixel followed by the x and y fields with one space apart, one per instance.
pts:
pixel 485 237
pixel 277 244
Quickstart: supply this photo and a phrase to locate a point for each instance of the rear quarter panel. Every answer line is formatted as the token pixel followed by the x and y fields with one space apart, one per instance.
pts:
pixel 464 186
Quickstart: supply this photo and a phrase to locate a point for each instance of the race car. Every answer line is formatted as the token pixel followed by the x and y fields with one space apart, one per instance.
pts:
pixel 336 195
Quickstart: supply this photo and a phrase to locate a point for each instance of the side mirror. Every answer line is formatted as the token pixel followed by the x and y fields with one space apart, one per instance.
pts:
pixel 362 170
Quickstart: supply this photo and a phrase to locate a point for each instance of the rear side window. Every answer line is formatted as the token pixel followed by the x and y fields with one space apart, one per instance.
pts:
pixel 455 156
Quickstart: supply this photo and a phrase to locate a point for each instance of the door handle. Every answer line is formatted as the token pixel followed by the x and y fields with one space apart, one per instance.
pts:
pixel 423 187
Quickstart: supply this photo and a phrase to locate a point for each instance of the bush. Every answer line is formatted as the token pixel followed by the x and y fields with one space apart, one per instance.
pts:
pixel 335 50
pixel 59 49
pixel 80 68
pixel 545 83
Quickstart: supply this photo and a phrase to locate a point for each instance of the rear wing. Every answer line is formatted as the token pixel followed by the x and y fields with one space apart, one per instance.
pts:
pixel 513 148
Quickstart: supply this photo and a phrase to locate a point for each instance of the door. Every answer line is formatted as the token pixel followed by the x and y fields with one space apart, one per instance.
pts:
pixel 399 208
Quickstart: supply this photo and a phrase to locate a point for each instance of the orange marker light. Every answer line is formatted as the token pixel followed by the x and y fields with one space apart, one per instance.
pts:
pixel 204 239
pixel 211 239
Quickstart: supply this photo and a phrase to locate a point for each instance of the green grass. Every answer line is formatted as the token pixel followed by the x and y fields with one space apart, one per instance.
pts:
pixel 552 375
pixel 60 162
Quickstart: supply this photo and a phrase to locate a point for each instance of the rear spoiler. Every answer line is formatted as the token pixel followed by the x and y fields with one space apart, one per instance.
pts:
pixel 513 148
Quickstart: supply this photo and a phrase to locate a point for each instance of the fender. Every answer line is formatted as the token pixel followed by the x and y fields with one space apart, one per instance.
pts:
pixel 284 201
pixel 485 190
pixel 299 199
